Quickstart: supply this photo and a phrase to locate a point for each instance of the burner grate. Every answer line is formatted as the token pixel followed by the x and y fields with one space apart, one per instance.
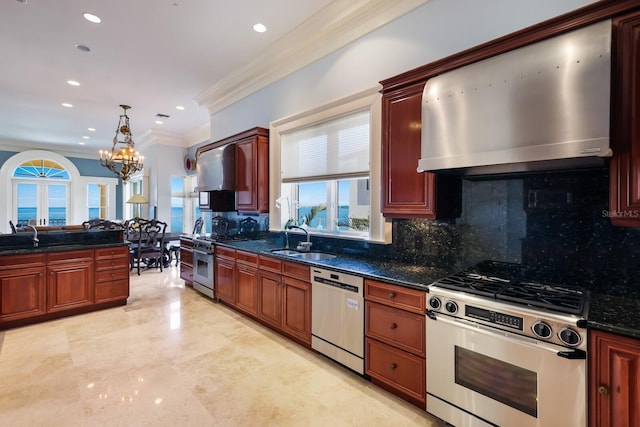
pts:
pixel 502 281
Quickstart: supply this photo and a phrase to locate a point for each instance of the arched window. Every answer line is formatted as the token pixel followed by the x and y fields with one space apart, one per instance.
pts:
pixel 41 189
pixel 41 168
pixel 46 188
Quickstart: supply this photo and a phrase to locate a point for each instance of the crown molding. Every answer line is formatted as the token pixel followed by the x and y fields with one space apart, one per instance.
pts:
pixel 335 26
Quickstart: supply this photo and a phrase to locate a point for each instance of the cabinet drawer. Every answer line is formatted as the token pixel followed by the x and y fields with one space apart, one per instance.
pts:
pixel 270 264
pixel 112 274
pixel 22 261
pixel 396 296
pixel 396 368
pixel 396 327
pixel 186 242
pixel 247 258
pixel 70 256
pixel 116 289
pixel 186 256
pixel 297 270
pixel 186 272
pixel 115 263
pixel 115 252
pixel 224 252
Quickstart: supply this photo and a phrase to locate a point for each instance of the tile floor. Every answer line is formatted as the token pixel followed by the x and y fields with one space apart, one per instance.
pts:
pixel 171 357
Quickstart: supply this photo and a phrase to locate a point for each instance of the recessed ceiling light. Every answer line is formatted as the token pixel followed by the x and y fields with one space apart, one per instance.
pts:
pixel 179 107
pixel 73 83
pixel 92 18
pixel 66 104
pixel 81 143
pixel 159 122
pixel 91 129
pixel 83 48
pixel 86 137
pixel 259 28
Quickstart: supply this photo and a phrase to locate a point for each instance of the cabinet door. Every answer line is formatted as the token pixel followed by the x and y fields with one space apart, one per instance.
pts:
pixel 225 279
pixel 247 284
pixel 614 389
pixel 22 293
pixel 252 175
pixel 270 298
pixel 70 285
pixel 625 126
pixel 406 193
pixel 296 310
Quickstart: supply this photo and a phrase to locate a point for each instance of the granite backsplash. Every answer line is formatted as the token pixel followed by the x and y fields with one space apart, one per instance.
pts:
pixel 554 224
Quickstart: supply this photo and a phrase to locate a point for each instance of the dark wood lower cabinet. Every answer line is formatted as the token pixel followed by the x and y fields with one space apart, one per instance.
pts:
pixel 47 285
pixel 247 289
pixel 22 293
pixel 70 281
pixel 614 380
pixel 270 299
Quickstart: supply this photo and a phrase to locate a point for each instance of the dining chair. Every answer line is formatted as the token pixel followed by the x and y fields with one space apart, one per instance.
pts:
pixel 149 248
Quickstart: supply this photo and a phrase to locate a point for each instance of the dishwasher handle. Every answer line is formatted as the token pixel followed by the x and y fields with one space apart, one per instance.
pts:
pixel 333 283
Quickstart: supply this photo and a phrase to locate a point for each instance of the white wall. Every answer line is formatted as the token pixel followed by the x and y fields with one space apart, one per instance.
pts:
pixel 437 29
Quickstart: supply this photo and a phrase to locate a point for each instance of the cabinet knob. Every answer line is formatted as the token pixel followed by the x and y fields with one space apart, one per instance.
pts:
pixel 393 366
pixel 392 295
pixel 603 390
pixel 393 326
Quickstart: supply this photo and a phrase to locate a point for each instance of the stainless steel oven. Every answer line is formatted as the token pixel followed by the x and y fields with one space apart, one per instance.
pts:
pixel 203 273
pixel 496 362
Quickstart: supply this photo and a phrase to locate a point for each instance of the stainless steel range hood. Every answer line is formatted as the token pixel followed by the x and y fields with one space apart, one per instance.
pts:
pixel 540 107
pixel 216 173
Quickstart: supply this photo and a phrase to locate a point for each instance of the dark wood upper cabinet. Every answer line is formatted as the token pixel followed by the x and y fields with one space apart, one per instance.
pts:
pixel 252 172
pixel 408 194
pixel 625 122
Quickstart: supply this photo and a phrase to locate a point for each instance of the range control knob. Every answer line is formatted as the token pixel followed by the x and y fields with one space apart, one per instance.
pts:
pixel 569 336
pixel 451 307
pixel 542 329
pixel 434 302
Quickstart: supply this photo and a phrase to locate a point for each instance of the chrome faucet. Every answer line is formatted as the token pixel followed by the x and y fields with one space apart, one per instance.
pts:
pixel 303 246
pixel 35 236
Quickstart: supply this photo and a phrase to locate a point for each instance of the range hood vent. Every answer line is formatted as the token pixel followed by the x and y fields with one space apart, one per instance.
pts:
pixel 215 169
pixel 540 107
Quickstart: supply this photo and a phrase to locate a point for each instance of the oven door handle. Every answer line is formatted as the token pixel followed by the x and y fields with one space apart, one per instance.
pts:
pixel 506 335
pixel 198 251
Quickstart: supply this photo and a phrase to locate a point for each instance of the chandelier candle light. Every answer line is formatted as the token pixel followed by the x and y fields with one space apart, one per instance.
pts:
pixel 125 161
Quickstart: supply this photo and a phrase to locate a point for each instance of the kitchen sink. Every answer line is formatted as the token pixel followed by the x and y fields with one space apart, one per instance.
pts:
pixel 289 252
pixel 313 256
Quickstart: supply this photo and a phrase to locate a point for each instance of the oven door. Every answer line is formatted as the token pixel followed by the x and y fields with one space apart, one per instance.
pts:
pixel 203 280
pixel 479 376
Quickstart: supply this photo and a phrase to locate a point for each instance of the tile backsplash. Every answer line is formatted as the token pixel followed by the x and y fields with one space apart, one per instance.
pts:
pixel 555 224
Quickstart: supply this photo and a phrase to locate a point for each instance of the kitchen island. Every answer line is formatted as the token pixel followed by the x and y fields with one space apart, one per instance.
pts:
pixel 61 273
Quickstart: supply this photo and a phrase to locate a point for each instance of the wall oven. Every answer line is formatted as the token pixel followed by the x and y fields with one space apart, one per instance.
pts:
pixel 203 274
pixel 497 362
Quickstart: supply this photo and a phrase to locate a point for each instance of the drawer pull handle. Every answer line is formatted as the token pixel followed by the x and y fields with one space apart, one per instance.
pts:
pixel 393 366
pixel 392 295
pixel 603 390
pixel 393 326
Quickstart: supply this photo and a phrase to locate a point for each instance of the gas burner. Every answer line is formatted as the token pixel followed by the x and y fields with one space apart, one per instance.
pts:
pixel 509 282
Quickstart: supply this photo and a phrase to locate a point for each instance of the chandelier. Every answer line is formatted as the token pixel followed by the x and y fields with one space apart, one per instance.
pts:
pixel 124 161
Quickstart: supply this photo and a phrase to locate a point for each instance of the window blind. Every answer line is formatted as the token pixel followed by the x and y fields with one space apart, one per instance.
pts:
pixel 334 149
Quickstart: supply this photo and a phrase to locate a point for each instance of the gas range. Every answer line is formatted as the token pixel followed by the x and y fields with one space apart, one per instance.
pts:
pixel 206 243
pixel 501 295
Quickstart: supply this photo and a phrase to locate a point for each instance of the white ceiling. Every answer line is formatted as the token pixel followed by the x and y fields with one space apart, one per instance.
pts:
pixel 150 54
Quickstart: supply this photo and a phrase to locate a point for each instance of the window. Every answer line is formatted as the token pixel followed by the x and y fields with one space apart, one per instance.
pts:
pixel 97 201
pixel 184 204
pixel 328 159
pixel 41 189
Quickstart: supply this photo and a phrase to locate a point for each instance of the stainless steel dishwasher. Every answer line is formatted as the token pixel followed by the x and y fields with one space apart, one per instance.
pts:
pixel 337 317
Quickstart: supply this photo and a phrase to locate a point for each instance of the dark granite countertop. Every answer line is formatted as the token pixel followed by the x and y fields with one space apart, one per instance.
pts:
pixel 403 274
pixel 58 248
pixel 620 315
pixel 609 313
